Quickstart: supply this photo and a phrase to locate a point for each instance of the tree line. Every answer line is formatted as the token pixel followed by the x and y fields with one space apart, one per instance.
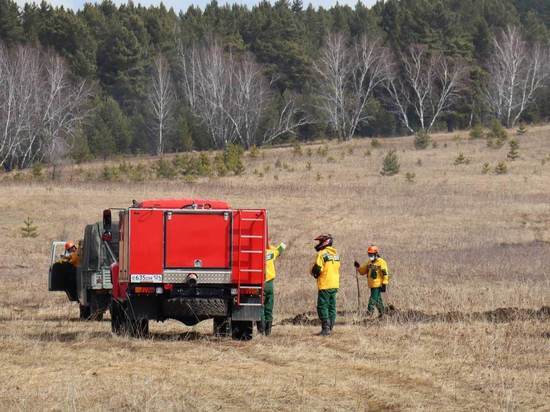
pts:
pixel 109 79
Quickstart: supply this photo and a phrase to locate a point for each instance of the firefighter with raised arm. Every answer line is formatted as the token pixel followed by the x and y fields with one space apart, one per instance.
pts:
pixel 271 254
pixel 376 270
pixel 71 254
pixel 326 270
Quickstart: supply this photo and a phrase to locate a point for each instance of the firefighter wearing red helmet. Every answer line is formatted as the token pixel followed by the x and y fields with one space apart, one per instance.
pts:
pixel 326 270
pixel 71 254
pixel 376 270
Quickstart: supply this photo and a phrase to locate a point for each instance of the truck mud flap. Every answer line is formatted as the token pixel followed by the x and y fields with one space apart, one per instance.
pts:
pixel 194 308
pixel 253 313
pixel 63 278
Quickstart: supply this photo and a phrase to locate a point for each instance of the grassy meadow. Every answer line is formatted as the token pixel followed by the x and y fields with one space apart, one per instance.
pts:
pixel 459 239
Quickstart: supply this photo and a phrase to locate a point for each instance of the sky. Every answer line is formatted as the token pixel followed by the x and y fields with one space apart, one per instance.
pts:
pixel 184 4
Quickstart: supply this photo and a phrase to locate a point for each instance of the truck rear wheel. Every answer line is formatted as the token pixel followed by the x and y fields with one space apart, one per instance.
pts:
pixel 222 326
pixel 85 312
pixel 241 329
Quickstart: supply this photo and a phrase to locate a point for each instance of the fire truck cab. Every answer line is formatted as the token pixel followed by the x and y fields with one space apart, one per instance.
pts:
pixel 189 260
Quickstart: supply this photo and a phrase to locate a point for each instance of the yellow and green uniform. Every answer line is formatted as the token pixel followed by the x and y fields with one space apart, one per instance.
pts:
pixel 271 254
pixel 327 266
pixel 378 276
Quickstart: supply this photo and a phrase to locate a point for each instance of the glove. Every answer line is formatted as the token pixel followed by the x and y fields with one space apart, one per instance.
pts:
pixel 282 245
pixel 383 288
pixel 356 264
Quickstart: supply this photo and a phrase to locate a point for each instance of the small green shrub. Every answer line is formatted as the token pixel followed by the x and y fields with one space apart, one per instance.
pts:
pixel 486 168
pixel 421 140
pixel 254 152
pixel 297 148
pixel 220 167
pixel 476 132
pixel 390 164
pixel 367 153
pixel 37 170
pixel 461 160
pixel 29 229
pixel 521 129
pixel 513 154
pixel 318 176
pixel 164 169
pixel 501 168
pixel 309 152
pixel 375 143
pixel 232 158
pixel 308 166
pixel 410 176
pixel 322 151
pixel 497 131
pixel 110 174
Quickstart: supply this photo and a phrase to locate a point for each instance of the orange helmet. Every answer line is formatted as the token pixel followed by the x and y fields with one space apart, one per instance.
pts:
pixel 372 250
pixel 69 245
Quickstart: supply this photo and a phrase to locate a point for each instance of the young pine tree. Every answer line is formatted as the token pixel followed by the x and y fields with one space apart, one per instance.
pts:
pixel 390 165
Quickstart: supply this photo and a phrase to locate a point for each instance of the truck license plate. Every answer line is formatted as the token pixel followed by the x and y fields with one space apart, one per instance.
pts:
pixel 146 278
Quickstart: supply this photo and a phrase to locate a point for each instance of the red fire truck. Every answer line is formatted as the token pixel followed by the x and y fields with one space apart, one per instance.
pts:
pixel 189 260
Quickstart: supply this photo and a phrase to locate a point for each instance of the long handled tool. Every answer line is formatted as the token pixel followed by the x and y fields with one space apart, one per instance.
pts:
pixel 359 303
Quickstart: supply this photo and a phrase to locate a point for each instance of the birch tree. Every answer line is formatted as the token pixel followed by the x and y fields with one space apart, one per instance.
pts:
pixel 421 86
pixel 231 96
pixel 517 71
pixel 347 78
pixel 161 99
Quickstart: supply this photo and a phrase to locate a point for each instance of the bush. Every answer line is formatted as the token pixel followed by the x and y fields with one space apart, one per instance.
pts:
pixel 461 160
pixel 278 164
pixel 497 131
pixel 37 170
pixel 254 152
pixel 232 158
pixel 375 143
pixel 390 165
pixel 29 230
pixel 220 167
pixel 308 166
pixel 322 151
pixel 521 129
pixel 501 168
pixel 421 140
pixel 513 154
pixel 410 177
pixel 297 148
pixel 486 168
pixel 476 132
pixel 164 169
pixel 110 174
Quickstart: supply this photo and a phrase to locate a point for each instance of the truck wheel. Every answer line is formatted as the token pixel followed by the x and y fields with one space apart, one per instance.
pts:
pixel 116 318
pixel 241 330
pixel 85 312
pixel 222 326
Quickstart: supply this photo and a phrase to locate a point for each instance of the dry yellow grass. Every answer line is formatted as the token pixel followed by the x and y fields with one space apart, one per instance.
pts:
pixel 455 240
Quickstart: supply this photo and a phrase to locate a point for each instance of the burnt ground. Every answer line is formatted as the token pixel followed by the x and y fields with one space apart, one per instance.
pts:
pixel 394 314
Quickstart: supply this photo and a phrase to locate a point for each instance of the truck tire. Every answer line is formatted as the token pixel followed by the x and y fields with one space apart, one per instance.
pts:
pixel 222 326
pixel 85 312
pixel 241 329
pixel 116 318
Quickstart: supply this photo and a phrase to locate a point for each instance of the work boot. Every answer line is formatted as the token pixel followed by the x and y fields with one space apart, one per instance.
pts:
pixel 331 324
pixel 267 330
pixel 325 328
pixel 260 325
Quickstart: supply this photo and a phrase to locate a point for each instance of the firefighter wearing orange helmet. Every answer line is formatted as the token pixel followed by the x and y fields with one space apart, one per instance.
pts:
pixel 326 270
pixel 71 254
pixel 378 276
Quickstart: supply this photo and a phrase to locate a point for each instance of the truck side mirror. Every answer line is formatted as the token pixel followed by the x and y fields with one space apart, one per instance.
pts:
pixel 107 220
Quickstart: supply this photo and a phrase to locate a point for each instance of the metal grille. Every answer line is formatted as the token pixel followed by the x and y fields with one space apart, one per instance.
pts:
pixel 202 277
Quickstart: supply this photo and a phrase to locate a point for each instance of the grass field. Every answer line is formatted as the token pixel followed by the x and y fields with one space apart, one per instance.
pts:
pixel 457 241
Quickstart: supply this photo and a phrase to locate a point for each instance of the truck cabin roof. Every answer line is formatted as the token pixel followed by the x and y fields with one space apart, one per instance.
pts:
pixel 181 204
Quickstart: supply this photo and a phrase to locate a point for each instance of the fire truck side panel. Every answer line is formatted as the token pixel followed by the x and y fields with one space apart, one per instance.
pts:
pixel 198 240
pixel 146 238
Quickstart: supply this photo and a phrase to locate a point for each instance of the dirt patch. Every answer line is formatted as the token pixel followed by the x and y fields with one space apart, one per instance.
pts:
pixel 499 315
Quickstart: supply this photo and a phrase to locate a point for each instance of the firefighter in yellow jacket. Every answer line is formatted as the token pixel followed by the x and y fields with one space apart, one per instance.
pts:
pixel 326 270
pixel 271 254
pixel 376 270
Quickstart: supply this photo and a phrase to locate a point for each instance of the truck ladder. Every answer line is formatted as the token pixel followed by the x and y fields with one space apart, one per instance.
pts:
pixel 248 235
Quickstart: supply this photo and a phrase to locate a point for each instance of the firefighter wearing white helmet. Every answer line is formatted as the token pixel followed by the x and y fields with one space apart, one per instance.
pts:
pixel 326 270
pixel 376 270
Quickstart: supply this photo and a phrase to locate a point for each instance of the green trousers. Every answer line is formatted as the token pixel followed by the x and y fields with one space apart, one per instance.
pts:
pixel 326 304
pixel 375 300
pixel 269 297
